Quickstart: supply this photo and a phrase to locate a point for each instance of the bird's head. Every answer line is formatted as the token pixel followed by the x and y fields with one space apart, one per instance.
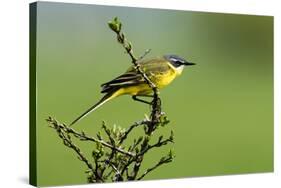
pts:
pixel 177 62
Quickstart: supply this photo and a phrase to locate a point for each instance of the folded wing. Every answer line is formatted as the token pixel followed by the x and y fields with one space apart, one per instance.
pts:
pixel 153 68
pixel 126 79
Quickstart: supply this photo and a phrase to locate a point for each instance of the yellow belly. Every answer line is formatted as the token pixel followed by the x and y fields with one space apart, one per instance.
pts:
pixel 160 81
pixel 142 89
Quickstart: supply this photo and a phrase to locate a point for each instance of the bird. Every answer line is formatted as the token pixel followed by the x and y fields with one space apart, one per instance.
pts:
pixel 161 71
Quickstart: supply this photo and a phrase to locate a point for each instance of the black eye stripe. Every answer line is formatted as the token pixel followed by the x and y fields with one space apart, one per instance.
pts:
pixel 176 61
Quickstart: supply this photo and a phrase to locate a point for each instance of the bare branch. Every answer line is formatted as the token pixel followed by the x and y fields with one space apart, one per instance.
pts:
pixel 163 160
pixel 144 54
pixel 68 142
pixel 111 158
pixel 83 137
pixel 116 25
pixel 136 124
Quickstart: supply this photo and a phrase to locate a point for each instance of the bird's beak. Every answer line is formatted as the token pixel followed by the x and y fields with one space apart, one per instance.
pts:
pixel 188 63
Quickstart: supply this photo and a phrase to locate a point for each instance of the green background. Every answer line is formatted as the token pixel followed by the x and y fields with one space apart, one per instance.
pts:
pixel 221 110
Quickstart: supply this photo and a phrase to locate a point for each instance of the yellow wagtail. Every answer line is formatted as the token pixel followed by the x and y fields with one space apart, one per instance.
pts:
pixel 161 71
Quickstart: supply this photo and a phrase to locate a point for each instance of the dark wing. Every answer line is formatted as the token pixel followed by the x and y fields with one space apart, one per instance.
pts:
pixel 126 79
pixel 132 77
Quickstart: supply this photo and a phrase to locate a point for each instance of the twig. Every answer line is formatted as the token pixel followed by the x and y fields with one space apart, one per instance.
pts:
pixel 118 176
pixel 136 124
pixel 68 142
pixel 84 137
pixel 153 146
pixel 116 26
pixel 162 161
pixel 144 54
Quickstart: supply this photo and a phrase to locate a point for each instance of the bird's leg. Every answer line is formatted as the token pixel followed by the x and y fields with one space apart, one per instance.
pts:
pixel 134 97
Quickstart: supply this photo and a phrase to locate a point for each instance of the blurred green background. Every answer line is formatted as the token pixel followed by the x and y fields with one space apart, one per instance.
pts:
pixel 221 110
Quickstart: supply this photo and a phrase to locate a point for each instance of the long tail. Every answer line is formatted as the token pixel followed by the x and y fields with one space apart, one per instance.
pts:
pixel 103 100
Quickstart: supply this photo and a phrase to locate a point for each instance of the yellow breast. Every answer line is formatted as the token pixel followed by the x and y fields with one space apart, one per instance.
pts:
pixel 163 80
pixel 159 78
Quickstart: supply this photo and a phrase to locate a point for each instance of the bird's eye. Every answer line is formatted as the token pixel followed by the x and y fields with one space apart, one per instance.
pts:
pixel 178 62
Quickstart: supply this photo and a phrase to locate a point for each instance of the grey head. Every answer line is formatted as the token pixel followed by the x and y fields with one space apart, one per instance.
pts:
pixel 177 61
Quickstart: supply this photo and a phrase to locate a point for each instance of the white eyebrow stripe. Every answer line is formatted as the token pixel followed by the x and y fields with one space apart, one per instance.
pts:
pixel 174 59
